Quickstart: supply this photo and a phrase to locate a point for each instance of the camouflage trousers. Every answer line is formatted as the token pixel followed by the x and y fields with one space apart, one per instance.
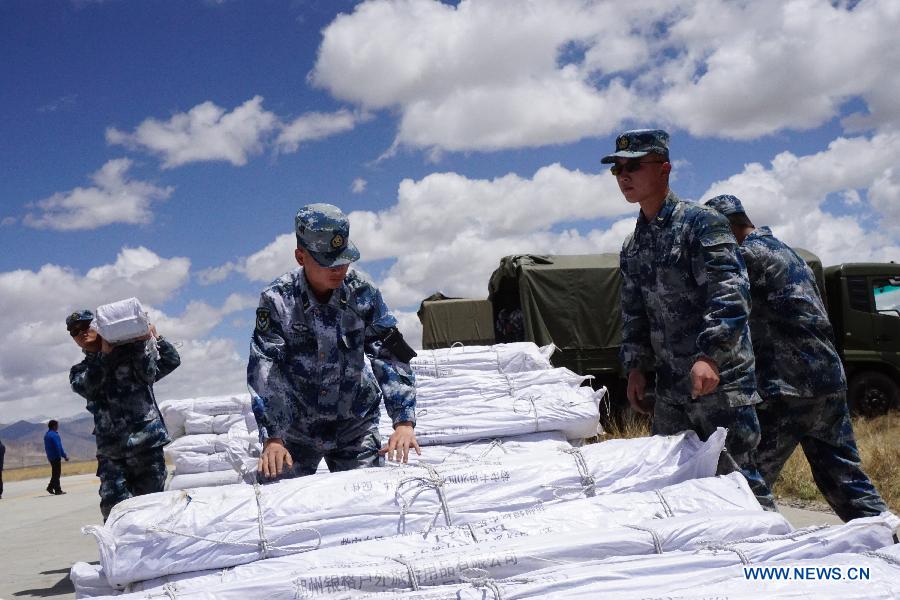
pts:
pixel 132 475
pixel 703 417
pixel 821 426
pixel 345 445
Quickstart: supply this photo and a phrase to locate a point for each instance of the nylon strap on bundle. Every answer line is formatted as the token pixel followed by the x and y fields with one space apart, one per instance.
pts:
pixel 433 481
pixel 479 579
pixel 657 542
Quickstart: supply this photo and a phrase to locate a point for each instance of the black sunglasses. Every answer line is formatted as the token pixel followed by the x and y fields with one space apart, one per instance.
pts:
pixel 632 165
pixel 77 330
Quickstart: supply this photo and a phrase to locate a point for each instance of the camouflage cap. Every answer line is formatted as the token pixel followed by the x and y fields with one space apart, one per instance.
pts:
pixel 324 231
pixel 78 316
pixel 726 204
pixel 639 142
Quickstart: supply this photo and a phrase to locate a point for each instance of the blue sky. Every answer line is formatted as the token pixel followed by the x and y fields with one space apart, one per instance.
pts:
pixel 160 149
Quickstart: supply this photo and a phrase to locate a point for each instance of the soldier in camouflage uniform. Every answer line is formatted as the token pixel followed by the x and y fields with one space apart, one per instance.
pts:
pixel 313 392
pixel 117 382
pixel 798 371
pixel 685 302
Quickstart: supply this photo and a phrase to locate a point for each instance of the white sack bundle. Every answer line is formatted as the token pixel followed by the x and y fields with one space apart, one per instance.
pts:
pixel 515 357
pixel 491 385
pixel 493 450
pixel 325 572
pixel 89 581
pixel 237 438
pixel 679 574
pixel 195 462
pixel 174 411
pixel 706 496
pixel 184 481
pixel 199 423
pixel 172 532
pixel 558 407
pixel 121 321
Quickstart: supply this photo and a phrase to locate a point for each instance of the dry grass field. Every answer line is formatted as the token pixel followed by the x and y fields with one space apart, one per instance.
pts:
pixel 878 440
pixel 43 471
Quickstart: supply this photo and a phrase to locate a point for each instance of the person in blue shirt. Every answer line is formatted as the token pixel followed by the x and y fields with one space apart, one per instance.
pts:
pixel 55 454
pixel 325 352
pixel 2 456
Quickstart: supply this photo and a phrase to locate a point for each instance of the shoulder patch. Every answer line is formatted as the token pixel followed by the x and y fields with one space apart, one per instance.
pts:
pixel 262 320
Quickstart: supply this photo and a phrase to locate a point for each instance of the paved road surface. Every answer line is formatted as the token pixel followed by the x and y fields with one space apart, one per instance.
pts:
pixel 40 535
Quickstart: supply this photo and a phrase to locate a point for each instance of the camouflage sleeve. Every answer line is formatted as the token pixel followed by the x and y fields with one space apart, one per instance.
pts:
pixel 86 378
pixel 169 359
pixel 635 352
pixel 719 265
pixel 265 375
pixel 395 377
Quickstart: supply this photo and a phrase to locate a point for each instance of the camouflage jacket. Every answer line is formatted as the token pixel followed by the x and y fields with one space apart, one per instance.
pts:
pixel 685 296
pixel 792 336
pixel 307 359
pixel 118 387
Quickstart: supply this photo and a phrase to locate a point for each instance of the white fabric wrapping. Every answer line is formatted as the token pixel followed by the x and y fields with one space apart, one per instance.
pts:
pixel 196 462
pixel 516 357
pixel 395 566
pixel 668 575
pixel 237 438
pixel 493 450
pixel 491 385
pixel 172 532
pixel 174 411
pixel 121 321
pixel 575 411
pixel 184 481
pixel 200 423
pixel 89 581
pixel 705 496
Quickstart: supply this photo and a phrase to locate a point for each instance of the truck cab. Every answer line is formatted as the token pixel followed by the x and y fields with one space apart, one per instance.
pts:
pixel 864 307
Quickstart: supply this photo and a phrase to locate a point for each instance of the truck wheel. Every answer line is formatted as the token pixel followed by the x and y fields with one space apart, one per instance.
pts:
pixel 872 393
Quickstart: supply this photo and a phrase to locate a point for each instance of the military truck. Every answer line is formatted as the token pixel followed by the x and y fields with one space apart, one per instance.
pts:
pixel 573 302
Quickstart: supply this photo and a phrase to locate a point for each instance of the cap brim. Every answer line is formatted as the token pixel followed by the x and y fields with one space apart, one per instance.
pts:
pixel 344 257
pixel 611 158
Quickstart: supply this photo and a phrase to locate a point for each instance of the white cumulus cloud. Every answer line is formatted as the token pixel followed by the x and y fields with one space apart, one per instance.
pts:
pixel 206 132
pixel 491 74
pixel 114 198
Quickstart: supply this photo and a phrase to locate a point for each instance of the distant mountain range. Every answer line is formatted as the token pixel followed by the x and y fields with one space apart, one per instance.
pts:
pixel 24 440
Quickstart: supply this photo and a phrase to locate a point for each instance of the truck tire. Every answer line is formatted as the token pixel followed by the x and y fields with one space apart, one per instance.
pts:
pixel 872 393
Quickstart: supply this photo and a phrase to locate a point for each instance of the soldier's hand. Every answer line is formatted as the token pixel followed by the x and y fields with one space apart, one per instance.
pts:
pixel 274 458
pixel 636 391
pixel 398 446
pixel 704 377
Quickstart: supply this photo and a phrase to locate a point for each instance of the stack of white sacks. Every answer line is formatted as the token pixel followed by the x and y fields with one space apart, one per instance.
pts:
pixel 215 441
pixel 500 505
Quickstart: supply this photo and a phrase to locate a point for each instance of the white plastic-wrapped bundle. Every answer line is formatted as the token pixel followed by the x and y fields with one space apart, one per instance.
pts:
pixel 237 437
pixel 199 423
pixel 175 411
pixel 89 581
pixel 707 496
pixel 184 481
pixel 121 321
pixel 491 385
pixel 493 449
pixel 171 532
pixel 515 357
pixel 395 567
pixel 195 462
pixel 558 407
pixel 678 574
